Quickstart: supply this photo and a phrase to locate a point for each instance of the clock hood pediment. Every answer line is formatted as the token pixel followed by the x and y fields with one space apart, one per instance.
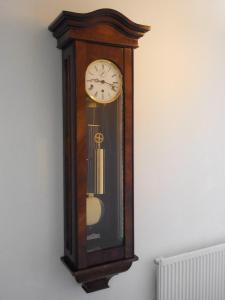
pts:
pixel 106 26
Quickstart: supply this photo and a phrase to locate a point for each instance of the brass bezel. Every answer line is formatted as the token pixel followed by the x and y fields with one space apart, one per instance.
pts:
pixel 119 87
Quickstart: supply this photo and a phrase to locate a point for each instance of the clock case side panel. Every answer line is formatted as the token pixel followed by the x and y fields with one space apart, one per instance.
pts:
pixel 69 153
pixel 128 154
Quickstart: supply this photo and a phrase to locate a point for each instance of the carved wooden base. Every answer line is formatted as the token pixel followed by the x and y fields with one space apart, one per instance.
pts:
pixel 96 285
pixel 97 278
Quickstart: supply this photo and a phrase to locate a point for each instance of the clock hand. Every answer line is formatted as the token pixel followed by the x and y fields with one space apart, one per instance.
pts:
pixel 113 86
pixel 98 80
pixel 106 82
pixel 102 81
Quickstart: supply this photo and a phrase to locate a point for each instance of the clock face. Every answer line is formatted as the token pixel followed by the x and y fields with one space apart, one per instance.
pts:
pixel 103 81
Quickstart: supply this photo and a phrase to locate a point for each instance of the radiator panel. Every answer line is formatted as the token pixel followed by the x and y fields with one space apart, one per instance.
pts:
pixel 198 275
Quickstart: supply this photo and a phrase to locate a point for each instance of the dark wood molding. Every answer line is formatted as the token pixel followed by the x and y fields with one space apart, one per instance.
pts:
pixel 97 278
pixel 96 285
pixel 96 26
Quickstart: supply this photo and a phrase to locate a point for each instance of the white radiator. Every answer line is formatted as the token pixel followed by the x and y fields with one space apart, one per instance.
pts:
pixel 198 275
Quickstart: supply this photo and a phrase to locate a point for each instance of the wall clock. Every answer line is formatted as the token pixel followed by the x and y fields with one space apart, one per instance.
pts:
pixel 97 65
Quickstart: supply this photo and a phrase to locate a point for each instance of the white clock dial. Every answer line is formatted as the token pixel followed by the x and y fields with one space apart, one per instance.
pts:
pixel 103 81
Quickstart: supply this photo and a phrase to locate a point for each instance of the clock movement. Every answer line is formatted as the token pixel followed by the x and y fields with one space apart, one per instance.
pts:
pixel 97 65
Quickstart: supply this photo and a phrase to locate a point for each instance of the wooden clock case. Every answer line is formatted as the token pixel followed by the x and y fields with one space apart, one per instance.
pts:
pixel 83 38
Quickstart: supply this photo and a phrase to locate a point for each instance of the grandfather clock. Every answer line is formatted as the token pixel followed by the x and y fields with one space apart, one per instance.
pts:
pixel 97 65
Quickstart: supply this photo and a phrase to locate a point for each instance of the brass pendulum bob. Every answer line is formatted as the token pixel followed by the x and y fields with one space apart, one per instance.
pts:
pixel 94 209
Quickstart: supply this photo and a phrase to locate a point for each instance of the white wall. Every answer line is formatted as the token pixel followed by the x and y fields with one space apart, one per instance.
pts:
pixel 179 143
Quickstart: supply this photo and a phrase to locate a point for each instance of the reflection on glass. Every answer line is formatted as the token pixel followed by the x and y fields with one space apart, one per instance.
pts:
pixel 105 174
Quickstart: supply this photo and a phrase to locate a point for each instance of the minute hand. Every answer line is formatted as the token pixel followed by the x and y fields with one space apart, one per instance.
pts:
pixel 111 84
pixel 101 81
